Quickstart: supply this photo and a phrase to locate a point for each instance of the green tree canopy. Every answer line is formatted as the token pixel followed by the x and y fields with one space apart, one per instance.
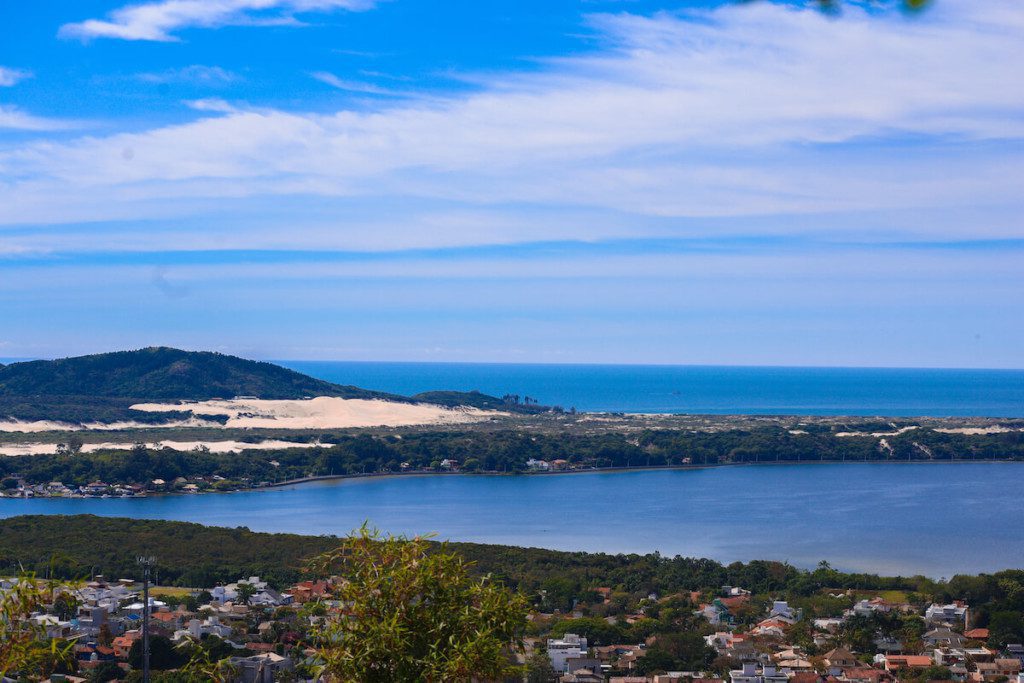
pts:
pixel 414 613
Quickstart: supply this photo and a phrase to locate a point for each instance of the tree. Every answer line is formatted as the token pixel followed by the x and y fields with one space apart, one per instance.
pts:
pixel 162 654
pixel 107 671
pixel 245 592
pixel 24 646
pixel 539 669
pixel 414 613
pixel 65 605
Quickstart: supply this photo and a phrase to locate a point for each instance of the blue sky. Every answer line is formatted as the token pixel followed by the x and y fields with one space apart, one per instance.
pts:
pixel 539 180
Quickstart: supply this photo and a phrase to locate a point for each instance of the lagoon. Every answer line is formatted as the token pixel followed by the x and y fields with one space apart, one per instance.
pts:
pixel 936 519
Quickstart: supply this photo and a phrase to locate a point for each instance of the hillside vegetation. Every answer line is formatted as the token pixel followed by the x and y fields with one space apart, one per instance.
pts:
pixel 102 387
pixel 165 373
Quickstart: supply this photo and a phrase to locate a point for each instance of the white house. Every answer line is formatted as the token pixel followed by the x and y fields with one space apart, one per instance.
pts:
pixel 561 650
pixel 955 613
pixel 752 673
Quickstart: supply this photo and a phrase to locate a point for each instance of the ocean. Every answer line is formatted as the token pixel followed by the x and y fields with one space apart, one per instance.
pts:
pixel 894 392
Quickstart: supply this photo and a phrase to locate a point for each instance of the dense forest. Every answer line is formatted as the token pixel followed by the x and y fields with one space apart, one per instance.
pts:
pixel 506 451
pixel 192 555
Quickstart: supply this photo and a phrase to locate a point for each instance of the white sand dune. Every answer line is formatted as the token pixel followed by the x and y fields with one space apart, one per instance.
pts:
pixel 323 412
pixel 213 446
pixel 994 429
pixel 895 432
pixel 37 426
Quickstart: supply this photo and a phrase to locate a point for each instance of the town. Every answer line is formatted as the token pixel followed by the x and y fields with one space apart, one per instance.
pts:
pixel 731 635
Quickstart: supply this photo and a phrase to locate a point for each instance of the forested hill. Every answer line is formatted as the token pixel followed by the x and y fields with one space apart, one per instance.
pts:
pixel 102 387
pixel 165 373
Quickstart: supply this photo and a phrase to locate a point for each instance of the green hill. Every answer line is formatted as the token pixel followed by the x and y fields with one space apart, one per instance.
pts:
pixel 102 387
pixel 165 373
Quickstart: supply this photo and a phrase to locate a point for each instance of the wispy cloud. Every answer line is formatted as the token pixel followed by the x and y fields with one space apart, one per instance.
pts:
pixel 13 118
pixel 194 73
pixel 9 76
pixel 355 86
pixel 214 104
pixel 159 21
pixel 737 111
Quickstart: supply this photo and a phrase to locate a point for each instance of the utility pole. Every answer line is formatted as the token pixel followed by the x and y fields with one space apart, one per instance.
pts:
pixel 147 564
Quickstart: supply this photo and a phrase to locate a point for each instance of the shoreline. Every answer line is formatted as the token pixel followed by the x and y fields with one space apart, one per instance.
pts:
pixel 591 470
pixel 612 470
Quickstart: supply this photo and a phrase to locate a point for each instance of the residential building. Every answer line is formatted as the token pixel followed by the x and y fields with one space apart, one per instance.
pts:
pixel 561 650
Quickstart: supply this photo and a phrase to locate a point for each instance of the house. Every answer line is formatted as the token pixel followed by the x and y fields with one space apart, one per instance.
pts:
pixel 716 613
pixel 977 634
pixel 622 656
pixel 865 608
pixel 1000 668
pixel 888 645
pixel 538 465
pixel 753 673
pixel 897 662
pixel 122 645
pixel 561 650
pixel 578 664
pixel 943 637
pixel 306 591
pixel 1008 667
pixel 770 628
pixel 864 674
pixel 723 640
pixel 582 676
pixel 262 668
pixel 838 659
pixel 949 615
pixel 830 624
pixel 783 612
pixel 198 629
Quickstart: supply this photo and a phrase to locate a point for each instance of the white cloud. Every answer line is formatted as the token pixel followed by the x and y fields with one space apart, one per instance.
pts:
pixel 9 76
pixel 160 20
pixel 214 104
pixel 13 118
pixel 746 110
pixel 355 86
pixel 195 73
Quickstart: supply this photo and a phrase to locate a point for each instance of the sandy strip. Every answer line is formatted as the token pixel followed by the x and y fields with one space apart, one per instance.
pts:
pixel 897 432
pixel 323 412
pixel 994 429
pixel 32 427
pixel 213 446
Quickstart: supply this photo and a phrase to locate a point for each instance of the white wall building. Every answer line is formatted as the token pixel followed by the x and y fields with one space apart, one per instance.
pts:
pixel 561 650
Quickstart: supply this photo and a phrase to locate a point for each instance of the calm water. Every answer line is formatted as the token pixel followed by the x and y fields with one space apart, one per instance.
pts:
pixel 935 519
pixel 705 389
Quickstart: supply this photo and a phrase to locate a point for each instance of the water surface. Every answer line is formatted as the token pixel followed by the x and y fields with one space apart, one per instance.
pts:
pixel 704 389
pixel 895 518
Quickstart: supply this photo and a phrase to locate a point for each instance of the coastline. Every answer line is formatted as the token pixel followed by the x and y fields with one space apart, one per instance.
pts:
pixel 613 470
pixel 432 473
